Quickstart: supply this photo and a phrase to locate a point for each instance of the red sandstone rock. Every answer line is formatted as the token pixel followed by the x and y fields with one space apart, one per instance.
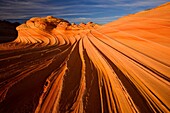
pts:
pixel 119 67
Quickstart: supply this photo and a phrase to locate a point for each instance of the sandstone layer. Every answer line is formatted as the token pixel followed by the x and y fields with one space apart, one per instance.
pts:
pixel 59 67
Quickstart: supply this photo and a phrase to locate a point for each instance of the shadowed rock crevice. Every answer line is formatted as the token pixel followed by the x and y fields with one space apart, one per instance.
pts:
pixel 134 93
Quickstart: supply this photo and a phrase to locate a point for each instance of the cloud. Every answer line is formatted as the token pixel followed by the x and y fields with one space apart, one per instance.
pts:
pixel 96 20
pixel 106 19
pixel 24 9
pixel 74 14
pixel 100 11
pixel 14 9
pixel 142 3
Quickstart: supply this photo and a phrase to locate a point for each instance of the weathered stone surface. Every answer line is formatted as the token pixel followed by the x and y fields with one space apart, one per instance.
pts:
pixel 119 67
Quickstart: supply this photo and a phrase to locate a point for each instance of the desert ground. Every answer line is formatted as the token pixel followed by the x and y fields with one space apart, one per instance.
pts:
pixel 54 66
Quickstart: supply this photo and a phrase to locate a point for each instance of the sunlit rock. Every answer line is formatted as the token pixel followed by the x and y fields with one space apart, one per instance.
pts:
pixel 119 67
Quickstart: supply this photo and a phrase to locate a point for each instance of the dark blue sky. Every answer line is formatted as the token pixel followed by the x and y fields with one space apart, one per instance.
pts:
pixel 99 11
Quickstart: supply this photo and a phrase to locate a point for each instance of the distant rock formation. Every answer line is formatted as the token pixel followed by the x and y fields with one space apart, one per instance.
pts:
pixel 8 31
pixel 45 29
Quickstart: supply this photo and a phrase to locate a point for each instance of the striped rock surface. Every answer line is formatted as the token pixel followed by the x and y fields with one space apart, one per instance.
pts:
pixel 57 67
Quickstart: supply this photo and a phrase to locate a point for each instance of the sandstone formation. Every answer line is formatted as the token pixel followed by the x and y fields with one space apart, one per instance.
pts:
pixel 45 30
pixel 57 67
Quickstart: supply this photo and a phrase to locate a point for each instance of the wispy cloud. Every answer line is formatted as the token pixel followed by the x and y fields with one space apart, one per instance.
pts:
pixel 142 3
pixel 96 20
pixel 100 11
pixel 14 9
pixel 25 9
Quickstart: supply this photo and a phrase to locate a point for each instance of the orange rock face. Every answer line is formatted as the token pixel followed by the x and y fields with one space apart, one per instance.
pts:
pixel 44 30
pixel 54 66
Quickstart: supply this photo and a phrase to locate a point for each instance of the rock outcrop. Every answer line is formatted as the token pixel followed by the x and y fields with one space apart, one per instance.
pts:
pixel 57 67
pixel 45 29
